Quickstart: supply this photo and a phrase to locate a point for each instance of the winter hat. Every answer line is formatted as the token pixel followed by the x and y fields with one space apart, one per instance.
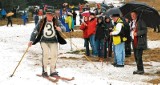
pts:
pixel 50 9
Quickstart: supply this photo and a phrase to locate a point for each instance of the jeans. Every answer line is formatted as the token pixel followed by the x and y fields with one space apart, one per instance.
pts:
pixel 93 45
pixel 100 47
pixel 119 54
pixel 86 44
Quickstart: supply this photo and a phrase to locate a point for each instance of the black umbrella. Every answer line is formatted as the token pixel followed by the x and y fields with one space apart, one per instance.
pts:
pixel 148 14
pixel 112 11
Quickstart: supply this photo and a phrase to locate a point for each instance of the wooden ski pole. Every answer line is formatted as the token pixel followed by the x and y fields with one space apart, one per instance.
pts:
pixel 71 40
pixel 79 50
pixel 20 61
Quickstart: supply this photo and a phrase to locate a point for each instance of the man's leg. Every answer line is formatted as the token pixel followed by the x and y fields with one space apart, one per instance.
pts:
pixel 45 52
pixel 119 53
pixel 53 54
pixel 93 45
pixel 139 60
pixel 115 57
pixel 7 23
pixel 11 23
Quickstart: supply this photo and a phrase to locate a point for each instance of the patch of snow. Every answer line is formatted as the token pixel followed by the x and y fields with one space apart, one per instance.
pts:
pixel 13 43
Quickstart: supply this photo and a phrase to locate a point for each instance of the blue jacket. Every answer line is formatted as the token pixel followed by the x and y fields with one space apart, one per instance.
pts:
pixel 3 12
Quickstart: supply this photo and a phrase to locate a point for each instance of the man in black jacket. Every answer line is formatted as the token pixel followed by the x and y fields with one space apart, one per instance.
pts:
pixel 139 36
pixel 46 32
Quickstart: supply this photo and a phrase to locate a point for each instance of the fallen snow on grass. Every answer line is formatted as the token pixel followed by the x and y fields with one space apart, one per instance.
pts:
pixel 13 43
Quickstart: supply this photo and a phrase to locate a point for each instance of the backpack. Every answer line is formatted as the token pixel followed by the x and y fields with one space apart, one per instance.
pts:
pixel 125 31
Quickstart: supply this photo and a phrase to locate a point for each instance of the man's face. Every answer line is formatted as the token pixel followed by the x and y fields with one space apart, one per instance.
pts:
pixel 49 17
pixel 115 19
pixel 133 15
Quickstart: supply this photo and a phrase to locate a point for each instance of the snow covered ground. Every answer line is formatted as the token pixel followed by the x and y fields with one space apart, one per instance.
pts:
pixel 13 43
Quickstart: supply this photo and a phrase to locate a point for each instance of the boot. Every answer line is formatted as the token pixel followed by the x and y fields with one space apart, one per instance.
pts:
pixel 54 74
pixel 45 74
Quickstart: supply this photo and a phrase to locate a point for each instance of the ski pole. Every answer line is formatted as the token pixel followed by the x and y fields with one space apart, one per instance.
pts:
pixel 71 40
pixel 80 50
pixel 20 61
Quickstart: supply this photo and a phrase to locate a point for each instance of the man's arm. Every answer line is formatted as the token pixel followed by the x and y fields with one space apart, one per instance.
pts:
pixel 34 34
pixel 118 29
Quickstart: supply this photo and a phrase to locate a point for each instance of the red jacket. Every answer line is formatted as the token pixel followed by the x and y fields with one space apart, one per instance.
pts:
pixel 92 27
pixel 85 30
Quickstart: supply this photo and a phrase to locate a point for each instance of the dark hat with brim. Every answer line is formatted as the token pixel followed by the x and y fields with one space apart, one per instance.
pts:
pixel 49 9
pixel 115 15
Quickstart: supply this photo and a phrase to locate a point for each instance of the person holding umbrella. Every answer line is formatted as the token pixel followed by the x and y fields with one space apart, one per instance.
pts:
pixel 139 36
pixel 9 18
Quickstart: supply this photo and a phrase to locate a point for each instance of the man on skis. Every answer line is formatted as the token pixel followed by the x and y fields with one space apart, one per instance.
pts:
pixel 46 32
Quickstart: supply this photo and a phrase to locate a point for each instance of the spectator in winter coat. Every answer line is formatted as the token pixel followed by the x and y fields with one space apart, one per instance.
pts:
pixel 109 28
pixel 69 20
pixel 98 10
pixel 84 27
pixel 99 38
pixel 74 16
pixel 91 33
pixel 3 13
pixel 139 36
pixel 27 17
pixel 80 11
pixel 118 41
pixel 24 18
pixel 46 32
pixel 40 14
pixel 128 42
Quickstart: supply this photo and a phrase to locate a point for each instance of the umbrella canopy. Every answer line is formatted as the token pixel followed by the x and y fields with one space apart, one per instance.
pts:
pixel 10 14
pixel 112 11
pixel 148 14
